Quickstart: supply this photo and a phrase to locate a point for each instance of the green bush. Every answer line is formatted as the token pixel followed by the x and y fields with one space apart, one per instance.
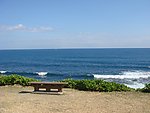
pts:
pixel 15 79
pixel 146 89
pixel 96 85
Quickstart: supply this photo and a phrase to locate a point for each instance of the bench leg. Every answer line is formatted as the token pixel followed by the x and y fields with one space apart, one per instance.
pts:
pixel 36 88
pixel 59 89
pixel 47 89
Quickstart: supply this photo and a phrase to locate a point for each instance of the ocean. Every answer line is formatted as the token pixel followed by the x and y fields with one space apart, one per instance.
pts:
pixel 128 66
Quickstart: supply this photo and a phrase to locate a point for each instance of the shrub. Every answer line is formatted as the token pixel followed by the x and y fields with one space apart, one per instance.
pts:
pixel 146 89
pixel 96 85
pixel 15 79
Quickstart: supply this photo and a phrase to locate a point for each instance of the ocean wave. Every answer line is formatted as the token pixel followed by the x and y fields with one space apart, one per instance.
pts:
pixel 133 79
pixel 41 73
pixel 30 74
pixel 125 75
pixel 2 72
pixel 135 85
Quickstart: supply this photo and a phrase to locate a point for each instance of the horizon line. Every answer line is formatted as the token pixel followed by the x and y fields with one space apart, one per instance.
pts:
pixel 77 48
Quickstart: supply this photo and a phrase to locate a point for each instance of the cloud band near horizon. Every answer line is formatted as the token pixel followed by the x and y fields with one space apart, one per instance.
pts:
pixel 21 27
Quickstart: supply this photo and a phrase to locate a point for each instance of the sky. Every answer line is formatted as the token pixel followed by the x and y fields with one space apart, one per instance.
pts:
pixel 54 24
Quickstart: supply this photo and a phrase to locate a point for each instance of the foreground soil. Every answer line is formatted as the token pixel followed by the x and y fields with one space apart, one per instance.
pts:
pixel 72 101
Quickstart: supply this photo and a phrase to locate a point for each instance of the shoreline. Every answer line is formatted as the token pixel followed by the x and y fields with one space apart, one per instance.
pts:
pixel 132 79
pixel 72 101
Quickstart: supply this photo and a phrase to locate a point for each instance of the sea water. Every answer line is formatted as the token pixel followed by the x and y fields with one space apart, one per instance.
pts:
pixel 126 66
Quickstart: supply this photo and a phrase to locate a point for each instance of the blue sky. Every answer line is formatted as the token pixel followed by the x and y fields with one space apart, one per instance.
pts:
pixel 46 24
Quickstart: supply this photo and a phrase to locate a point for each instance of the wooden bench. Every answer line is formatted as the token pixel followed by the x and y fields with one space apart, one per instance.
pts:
pixel 48 86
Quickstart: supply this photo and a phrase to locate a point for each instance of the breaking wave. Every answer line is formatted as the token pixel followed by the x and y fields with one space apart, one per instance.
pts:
pixel 126 75
pixel 2 72
pixel 133 79
pixel 41 73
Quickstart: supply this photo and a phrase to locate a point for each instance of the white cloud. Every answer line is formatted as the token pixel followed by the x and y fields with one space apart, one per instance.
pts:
pixel 15 28
pixel 40 29
pixel 21 27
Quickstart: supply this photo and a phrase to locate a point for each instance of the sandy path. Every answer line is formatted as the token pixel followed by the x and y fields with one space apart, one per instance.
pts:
pixel 72 101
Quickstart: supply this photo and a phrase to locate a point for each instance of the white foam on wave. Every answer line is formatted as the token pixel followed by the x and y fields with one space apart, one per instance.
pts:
pixel 135 85
pixel 2 72
pixel 125 75
pixel 41 73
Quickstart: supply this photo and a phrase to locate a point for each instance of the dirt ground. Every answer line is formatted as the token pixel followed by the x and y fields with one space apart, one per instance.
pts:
pixel 72 101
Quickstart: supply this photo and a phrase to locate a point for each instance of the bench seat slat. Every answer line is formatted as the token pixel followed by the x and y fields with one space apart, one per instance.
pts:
pixel 48 85
pixel 63 83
